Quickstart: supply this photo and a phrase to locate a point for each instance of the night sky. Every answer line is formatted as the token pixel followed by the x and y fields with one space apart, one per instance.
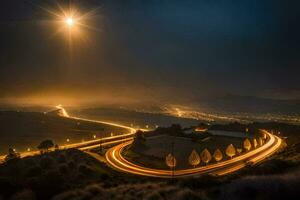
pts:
pixel 152 50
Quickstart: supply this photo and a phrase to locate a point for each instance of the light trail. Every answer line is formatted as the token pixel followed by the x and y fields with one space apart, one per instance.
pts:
pixel 105 144
pixel 88 145
pixel 117 161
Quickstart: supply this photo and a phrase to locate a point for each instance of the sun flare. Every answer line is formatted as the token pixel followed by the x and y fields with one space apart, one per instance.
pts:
pixel 69 21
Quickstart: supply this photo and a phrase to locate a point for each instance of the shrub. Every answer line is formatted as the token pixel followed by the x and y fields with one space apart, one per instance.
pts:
pixel 29 161
pixel 45 145
pixel 187 194
pixel 34 171
pixel 61 158
pixel 153 196
pixel 24 195
pixel 63 168
pixel 46 162
pixel 83 169
pixel 72 165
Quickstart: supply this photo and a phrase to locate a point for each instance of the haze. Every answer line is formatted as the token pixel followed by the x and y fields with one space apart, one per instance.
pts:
pixel 162 51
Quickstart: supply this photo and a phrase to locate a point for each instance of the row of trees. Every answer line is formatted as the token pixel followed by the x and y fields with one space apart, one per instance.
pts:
pixel 205 156
pixel 44 147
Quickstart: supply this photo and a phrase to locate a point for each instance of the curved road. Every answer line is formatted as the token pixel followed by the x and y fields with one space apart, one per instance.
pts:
pixel 92 143
pixel 117 161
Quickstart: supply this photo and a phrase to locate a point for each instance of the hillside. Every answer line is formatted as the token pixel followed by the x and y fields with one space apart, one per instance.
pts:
pixel 22 130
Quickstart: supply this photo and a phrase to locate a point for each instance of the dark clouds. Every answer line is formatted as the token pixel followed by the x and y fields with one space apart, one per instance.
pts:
pixel 156 48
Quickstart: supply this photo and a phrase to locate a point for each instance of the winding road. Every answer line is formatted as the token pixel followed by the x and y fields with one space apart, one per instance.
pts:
pixel 92 144
pixel 116 160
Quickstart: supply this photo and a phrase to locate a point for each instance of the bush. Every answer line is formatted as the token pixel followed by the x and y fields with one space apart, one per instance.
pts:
pixel 7 187
pixel 205 181
pixel 104 177
pixel 153 196
pixel 29 161
pixel 63 168
pixel 94 189
pixel 188 194
pixel 61 158
pixel 83 169
pixel 50 183
pixel 24 195
pixel 34 171
pixel 46 162
pixel 45 145
pixel 72 165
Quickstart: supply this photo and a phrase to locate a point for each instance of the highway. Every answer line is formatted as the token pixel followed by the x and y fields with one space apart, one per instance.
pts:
pixel 116 160
pixel 92 144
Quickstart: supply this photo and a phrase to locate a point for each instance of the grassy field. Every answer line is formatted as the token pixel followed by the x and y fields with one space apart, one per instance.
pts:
pixel 22 130
pixel 157 148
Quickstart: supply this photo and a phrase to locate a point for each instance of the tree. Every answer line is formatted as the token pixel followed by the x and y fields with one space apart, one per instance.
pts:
pixel 45 145
pixel 171 161
pixel 139 137
pixel 247 144
pixel 12 155
pixel 230 151
pixel 260 141
pixel 218 156
pixel 205 156
pixel 194 158
pixel 264 136
pixel 255 143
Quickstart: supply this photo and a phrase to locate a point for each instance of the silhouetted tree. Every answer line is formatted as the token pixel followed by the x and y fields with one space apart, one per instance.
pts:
pixel 12 155
pixel 45 145
pixel 139 136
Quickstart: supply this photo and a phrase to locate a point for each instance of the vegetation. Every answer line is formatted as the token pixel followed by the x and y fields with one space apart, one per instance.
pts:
pixel 171 161
pixel 12 155
pixel 46 175
pixel 72 174
pixel 247 144
pixel 206 156
pixel 194 158
pixel 230 151
pixel 29 128
pixel 45 145
pixel 218 156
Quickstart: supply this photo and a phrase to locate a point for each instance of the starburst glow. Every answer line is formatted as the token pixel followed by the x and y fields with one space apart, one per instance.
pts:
pixel 71 22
